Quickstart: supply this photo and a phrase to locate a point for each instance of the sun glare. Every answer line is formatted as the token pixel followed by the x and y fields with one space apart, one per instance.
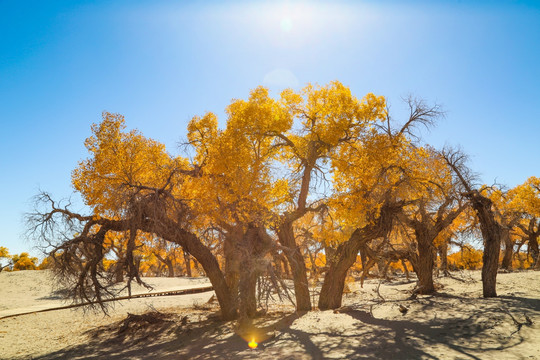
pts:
pixel 286 24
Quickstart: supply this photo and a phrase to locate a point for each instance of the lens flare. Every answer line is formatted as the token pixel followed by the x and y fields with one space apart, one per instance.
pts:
pixel 252 344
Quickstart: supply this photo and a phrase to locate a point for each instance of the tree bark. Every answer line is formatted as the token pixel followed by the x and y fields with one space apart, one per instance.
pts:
pixel 232 261
pixel 169 230
pixel 211 266
pixel 492 232
pixel 297 265
pixel 187 261
pixel 345 256
pixel 424 265
pixel 534 249
pixel 334 280
pixel 491 229
pixel 508 250
pixel 443 253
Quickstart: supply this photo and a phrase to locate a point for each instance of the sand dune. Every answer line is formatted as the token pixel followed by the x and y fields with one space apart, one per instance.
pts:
pixel 456 323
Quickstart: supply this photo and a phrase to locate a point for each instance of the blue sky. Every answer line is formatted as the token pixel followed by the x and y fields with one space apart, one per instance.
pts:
pixel 161 62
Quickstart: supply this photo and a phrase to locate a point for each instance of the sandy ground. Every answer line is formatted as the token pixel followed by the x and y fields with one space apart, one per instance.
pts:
pixel 456 323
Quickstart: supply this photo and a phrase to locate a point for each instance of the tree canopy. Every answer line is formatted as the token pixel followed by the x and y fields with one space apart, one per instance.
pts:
pixel 300 183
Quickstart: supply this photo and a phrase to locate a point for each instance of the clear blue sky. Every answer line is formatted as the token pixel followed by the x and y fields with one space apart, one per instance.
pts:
pixel 161 62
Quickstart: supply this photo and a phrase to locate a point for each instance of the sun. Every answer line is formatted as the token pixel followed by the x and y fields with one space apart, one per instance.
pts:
pixel 286 24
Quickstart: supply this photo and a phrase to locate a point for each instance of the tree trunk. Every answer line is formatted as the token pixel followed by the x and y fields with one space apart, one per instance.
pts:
pixel 247 287
pixel 167 261
pixel 508 251
pixel 284 264
pixel 314 273
pixel 345 256
pixel 232 262
pixel 195 247
pixel 187 261
pixel 119 272
pixel 492 234
pixel 424 265
pixel 334 280
pixel 170 266
pixel 492 245
pixel 443 253
pixel 405 269
pixel 533 249
pixel 297 265
pixel 250 250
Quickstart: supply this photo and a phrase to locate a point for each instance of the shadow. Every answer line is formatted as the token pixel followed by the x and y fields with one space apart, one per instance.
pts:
pixel 522 303
pixel 429 330
pixel 59 294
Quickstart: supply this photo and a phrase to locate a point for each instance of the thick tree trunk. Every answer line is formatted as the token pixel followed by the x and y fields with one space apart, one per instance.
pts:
pixel 297 265
pixel 345 256
pixel 250 250
pixel 247 287
pixel 492 233
pixel 492 245
pixel 334 280
pixel 193 245
pixel 508 251
pixel 119 272
pixel 424 266
pixel 232 262
pixel 490 228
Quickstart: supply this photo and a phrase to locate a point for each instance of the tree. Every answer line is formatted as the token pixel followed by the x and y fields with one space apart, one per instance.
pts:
pixel 508 216
pixel 24 262
pixel 4 254
pixel 328 117
pixel 438 204
pixel 492 230
pixel 133 186
pixel 237 189
pixel 467 258
pixel 525 199
pixel 373 178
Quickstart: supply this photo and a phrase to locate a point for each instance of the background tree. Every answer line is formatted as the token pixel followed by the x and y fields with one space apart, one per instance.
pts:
pixel 24 261
pixel 525 199
pixel 492 230
pixel 372 184
pixel 438 204
pixel 4 254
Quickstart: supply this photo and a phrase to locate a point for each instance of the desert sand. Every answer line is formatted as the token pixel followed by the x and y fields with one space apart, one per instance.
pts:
pixel 455 323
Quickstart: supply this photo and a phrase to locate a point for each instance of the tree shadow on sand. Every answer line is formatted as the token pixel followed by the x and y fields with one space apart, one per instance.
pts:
pixel 423 333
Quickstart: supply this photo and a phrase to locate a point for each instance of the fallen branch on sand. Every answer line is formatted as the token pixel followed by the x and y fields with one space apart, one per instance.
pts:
pixel 137 296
